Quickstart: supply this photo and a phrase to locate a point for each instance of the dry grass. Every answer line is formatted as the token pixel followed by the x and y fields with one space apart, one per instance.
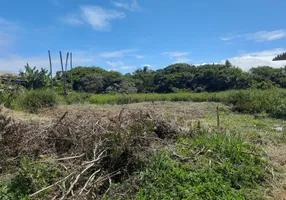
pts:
pixel 92 147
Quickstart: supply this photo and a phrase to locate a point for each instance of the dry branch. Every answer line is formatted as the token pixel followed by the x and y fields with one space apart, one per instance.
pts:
pixel 56 183
pixel 69 158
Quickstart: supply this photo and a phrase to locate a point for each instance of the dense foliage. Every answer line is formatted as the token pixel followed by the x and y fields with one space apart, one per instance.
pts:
pixel 175 78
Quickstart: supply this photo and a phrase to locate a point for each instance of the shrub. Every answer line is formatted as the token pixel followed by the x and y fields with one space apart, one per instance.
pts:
pixel 255 101
pixel 279 111
pixel 10 95
pixel 34 100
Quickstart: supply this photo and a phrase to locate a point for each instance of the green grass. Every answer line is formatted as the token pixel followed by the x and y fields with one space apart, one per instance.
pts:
pixel 220 166
pixel 272 102
pixel 33 100
pixel 260 130
pixel 136 98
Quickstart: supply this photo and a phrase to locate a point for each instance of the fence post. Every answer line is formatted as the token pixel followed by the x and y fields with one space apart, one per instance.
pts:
pixel 217 113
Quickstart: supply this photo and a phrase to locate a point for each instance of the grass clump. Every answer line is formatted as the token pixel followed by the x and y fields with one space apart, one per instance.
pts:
pixel 218 166
pixel 33 100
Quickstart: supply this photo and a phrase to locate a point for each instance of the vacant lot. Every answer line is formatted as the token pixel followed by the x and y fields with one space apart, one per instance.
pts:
pixel 147 150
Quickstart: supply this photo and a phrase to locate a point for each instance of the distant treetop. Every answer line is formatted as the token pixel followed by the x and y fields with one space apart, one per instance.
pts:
pixel 280 57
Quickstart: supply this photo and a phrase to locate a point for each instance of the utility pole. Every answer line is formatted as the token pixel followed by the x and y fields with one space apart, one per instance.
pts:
pixel 71 70
pixel 67 58
pixel 51 69
pixel 63 74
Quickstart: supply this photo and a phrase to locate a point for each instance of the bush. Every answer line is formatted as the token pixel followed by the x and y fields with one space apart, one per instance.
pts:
pixel 279 111
pixel 34 100
pixel 255 101
pixel 10 95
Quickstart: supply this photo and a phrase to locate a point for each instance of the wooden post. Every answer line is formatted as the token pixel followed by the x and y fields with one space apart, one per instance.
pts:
pixel 67 59
pixel 217 113
pixel 51 69
pixel 63 74
pixel 71 70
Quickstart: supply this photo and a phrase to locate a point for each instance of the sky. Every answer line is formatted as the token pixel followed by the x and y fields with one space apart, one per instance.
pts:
pixel 125 35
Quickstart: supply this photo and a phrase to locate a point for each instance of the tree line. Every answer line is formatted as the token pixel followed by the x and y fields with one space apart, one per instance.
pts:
pixel 177 77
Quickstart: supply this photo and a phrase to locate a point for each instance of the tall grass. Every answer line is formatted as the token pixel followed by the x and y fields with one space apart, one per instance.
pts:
pixel 246 101
pixel 34 100
pixel 136 98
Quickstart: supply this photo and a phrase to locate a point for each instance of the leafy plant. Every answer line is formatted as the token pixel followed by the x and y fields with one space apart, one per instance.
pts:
pixel 35 79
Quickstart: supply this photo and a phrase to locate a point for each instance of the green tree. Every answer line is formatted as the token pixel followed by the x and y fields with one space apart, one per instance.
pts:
pixel 35 79
pixel 228 64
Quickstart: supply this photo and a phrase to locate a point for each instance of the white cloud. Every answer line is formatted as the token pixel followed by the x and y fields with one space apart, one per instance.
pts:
pixel 182 60
pixel 146 65
pixel 259 36
pixel 131 5
pixel 139 56
pixel 255 59
pixel 72 19
pixel 99 18
pixel 127 67
pixel 115 64
pixel 119 65
pixel 176 54
pixel 180 56
pixel 118 54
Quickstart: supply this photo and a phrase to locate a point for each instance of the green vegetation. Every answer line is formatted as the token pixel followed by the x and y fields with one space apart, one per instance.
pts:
pixel 34 100
pixel 141 153
pixel 176 78
pixel 248 101
pixel 30 177
pixel 207 166
pixel 34 78
pixel 162 152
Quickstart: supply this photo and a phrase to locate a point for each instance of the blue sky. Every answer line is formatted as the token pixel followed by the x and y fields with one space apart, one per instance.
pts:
pixel 124 35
